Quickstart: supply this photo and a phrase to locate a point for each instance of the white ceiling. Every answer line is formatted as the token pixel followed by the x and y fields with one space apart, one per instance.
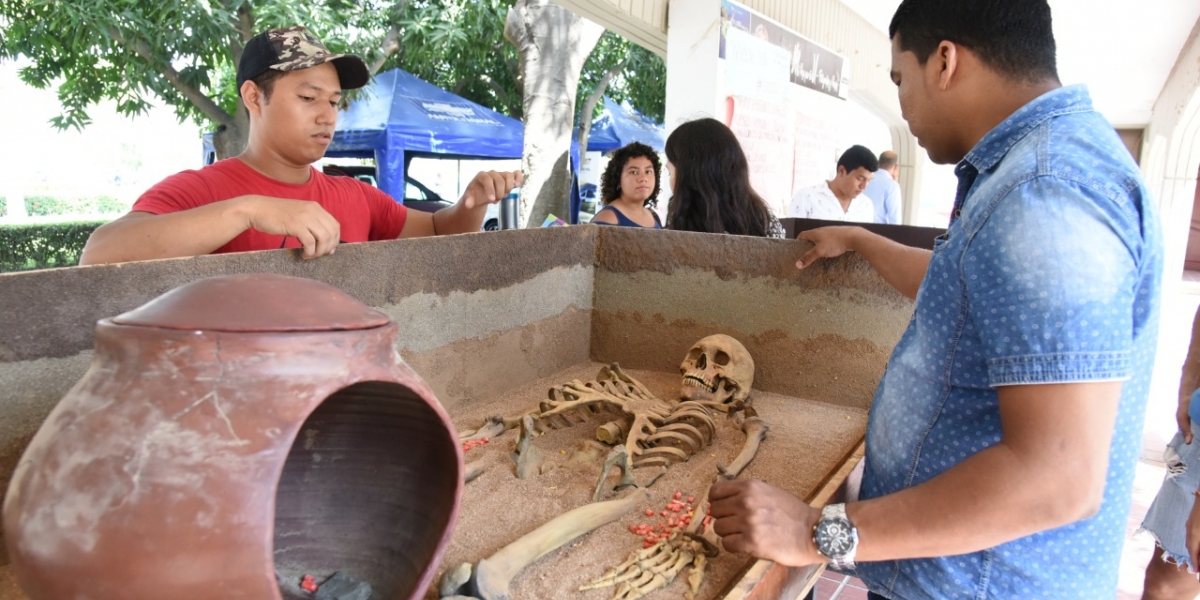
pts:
pixel 1123 50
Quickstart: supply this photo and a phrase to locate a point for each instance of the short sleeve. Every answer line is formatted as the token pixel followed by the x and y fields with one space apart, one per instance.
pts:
pixel 387 215
pixel 1052 284
pixel 177 193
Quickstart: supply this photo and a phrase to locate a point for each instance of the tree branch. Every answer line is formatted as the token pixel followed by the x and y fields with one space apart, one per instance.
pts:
pixel 391 41
pixel 193 94
pixel 245 30
pixel 589 105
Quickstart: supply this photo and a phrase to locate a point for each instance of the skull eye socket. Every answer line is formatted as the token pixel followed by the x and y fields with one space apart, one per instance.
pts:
pixel 693 355
pixel 721 358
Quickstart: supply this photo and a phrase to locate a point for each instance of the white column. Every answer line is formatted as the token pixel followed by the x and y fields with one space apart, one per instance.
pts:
pixel 1171 154
pixel 1170 160
pixel 695 76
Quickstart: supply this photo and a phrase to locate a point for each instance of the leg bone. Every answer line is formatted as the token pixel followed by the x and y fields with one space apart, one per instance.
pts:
pixel 494 574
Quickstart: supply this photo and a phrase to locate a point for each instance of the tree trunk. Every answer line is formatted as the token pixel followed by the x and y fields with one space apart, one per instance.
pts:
pixel 552 43
pixel 230 139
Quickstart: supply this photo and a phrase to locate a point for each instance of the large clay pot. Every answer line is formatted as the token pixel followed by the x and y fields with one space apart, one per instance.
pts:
pixel 230 437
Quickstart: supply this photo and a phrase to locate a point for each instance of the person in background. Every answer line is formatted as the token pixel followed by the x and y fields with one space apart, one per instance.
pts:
pixel 1002 440
pixel 710 184
pixel 629 188
pixel 840 199
pixel 270 196
pixel 1174 516
pixel 884 189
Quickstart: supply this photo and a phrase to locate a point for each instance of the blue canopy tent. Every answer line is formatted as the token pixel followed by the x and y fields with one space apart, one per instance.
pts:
pixel 621 124
pixel 398 115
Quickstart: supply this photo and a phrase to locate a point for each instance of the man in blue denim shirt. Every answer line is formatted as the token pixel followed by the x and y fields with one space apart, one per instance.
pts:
pixel 1003 437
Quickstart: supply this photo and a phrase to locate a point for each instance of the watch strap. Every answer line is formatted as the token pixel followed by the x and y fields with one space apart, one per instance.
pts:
pixel 838 511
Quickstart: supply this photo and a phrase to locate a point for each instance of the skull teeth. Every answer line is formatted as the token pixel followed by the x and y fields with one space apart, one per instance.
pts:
pixel 699 380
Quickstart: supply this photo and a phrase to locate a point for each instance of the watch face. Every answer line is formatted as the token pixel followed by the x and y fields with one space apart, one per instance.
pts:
pixel 834 537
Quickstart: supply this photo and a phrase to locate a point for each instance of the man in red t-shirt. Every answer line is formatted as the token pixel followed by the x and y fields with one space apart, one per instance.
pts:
pixel 270 196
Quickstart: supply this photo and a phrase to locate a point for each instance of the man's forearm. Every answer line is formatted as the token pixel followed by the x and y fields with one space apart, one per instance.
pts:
pixel 901 266
pixel 144 236
pixel 1048 470
pixel 987 500
pixel 458 219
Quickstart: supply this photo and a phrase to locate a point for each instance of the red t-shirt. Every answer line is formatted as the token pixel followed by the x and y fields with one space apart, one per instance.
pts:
pixel 365 213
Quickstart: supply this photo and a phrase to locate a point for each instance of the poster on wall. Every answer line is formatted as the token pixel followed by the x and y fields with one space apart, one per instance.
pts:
pixel 783 97
pixel 763 129
pixel 810 65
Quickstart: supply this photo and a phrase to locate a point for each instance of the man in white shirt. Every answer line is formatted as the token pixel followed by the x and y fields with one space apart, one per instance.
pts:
pixel 840 199
pixel 884 191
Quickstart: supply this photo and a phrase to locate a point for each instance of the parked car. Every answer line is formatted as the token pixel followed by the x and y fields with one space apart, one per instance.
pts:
pixel 587 200
pixel 417 196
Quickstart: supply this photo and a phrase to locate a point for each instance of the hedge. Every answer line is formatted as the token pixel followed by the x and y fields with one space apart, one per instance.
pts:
pixel 44 206
pixel 43 245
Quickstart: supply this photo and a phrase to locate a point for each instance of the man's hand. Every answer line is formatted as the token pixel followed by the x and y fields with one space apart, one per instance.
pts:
pixel 828 242
pixel 489 187
pixel 764 521
pixel 317 231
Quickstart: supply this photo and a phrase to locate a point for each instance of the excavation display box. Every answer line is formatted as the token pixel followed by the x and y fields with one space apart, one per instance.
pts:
pixel 457 415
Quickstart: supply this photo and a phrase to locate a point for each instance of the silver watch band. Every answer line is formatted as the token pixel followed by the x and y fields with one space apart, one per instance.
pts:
pixel 834 511
pixel 838 511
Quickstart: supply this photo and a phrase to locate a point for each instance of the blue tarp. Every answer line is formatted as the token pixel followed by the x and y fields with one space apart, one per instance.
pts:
pixel 620 124
pixel 399 113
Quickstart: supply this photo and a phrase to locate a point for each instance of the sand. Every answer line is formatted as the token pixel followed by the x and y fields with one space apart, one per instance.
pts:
pixel 807 441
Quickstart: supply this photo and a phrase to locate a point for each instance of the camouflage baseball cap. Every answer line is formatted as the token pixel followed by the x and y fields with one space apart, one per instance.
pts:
pixel 295 48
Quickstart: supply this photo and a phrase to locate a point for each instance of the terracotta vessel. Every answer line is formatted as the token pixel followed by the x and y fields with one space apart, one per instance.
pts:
pixel 230 437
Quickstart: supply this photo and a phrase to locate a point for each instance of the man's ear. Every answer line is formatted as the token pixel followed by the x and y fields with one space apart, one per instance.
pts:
pixel 946 56
pixel 251 95
pixel 841 171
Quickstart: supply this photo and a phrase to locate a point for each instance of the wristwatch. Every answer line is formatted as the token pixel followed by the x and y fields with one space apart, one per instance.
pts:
pixel 836 537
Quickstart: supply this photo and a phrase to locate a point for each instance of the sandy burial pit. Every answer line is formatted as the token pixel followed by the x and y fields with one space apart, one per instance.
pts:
pixel 805 437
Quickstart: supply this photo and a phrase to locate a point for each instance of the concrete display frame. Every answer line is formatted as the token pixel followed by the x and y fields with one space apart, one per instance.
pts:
pixel 542 299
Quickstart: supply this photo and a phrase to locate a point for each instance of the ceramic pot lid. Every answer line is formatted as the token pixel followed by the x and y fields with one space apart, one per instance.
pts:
pixel 258 302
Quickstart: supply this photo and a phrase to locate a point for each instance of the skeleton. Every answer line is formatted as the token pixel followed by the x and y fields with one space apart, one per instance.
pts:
pixel 718 374
pixel 705 381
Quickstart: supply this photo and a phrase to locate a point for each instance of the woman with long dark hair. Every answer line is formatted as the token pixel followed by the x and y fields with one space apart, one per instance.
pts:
pixel 629 188
pixel 710 183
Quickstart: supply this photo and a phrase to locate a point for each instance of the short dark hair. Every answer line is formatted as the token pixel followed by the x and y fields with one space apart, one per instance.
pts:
pixel 888 159
pixel 266 82
pixel 712 183
pixel 1013 37
pixel 610 182
pixel 858 156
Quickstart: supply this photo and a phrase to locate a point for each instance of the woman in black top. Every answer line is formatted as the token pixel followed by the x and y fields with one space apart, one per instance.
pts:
pixel 710 183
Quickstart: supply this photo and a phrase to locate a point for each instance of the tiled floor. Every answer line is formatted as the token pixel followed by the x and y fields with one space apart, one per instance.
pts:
pixel 833 586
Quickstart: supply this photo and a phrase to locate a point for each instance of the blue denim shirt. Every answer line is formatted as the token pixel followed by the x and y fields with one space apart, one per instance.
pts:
pixel 1048 273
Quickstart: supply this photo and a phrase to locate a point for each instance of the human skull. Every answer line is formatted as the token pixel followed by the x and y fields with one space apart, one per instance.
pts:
pixel 718 372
